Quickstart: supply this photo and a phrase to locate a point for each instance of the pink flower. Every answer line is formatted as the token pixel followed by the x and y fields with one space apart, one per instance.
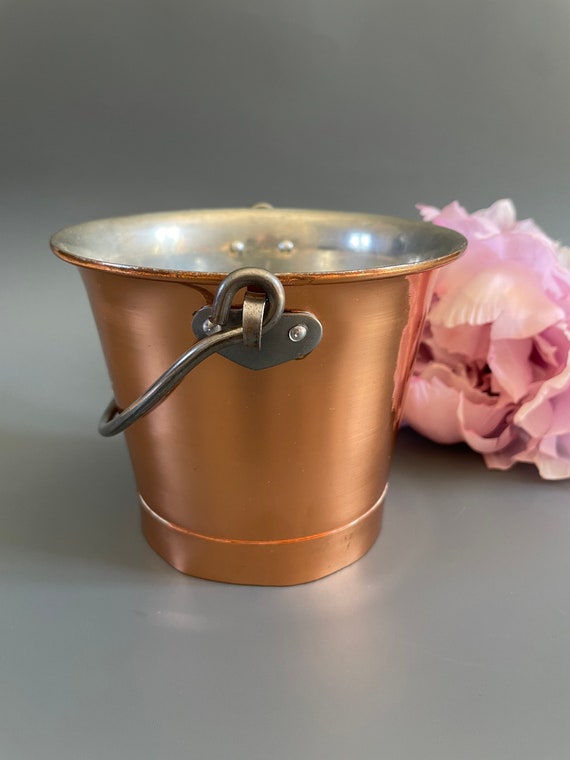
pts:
pixel 493 368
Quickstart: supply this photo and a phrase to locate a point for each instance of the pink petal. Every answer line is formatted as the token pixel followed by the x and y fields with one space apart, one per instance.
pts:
pixel 485 426
pixel 457 218
pixel 537 255
pixel 563 445
pixel 502 214
pixel 536 420
pixel 498 461
pixel 521 448
pixel 461 272
pixel 431 409
pixel 561 414
pixel 529 227
pixel 564 257
pixel 459 378
pixel 488 445
pixel 553 468
pixel 470 341
pixel 509 362
pixel 505 296
pixel 428 213
pixel 546 350
pixel 538 412
pixel 548 446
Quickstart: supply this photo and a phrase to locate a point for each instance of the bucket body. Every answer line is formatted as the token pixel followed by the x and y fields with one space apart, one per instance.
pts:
pixel 276 476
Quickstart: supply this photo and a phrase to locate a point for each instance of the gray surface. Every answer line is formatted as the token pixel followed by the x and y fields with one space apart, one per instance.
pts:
pixel 125 106
pixel 448 640
pixel 451 638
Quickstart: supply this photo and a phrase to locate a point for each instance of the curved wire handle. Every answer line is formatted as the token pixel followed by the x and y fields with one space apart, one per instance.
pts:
pixel 114 421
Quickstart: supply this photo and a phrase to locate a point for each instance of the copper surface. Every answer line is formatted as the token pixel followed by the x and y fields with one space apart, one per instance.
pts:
pixel 268 563
pixel 269 477
pixel 290 452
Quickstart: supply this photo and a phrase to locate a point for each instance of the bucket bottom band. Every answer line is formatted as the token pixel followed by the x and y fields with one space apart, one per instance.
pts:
pixel 262 563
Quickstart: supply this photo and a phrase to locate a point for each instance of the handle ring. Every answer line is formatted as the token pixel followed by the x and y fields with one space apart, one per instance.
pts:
pixel 114 421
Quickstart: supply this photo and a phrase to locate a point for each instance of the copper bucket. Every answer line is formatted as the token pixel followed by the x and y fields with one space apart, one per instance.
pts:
pixel 268 462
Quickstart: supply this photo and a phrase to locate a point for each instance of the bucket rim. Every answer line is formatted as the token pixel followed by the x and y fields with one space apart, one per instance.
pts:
pixel 72 244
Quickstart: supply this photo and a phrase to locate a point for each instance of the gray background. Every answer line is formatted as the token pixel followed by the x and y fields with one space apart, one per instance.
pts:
pixel 450 639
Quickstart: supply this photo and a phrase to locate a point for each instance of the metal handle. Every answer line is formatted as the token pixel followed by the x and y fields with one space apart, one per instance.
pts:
pixel 259 316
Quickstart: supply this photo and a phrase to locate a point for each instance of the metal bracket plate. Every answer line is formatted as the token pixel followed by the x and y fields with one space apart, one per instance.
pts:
pixel 294 336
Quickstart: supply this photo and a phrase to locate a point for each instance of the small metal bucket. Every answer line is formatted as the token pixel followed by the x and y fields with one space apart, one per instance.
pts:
pixel 268 462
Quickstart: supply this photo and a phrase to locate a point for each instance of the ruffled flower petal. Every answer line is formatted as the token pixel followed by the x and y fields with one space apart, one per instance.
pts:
pixel 500 295
pixel 493 366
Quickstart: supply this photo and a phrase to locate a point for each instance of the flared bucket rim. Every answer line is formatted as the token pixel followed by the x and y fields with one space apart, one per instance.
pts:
pixel 345 246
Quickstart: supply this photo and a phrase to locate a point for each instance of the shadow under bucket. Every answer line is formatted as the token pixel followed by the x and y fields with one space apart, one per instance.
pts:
pixel 260 435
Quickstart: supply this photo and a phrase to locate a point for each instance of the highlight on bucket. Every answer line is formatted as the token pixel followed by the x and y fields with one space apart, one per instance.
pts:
pixel 259 359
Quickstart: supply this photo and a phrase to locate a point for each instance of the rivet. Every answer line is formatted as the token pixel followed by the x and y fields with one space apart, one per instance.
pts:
pixel 210 328
pixel 286 246
pixel 298 333
pixel 237 246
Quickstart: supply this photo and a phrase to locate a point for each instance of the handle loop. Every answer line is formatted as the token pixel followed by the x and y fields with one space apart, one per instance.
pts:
pixel 114 421
pixel 244 278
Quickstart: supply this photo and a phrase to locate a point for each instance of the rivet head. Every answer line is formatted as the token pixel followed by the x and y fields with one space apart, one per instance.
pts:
pixel 298 333
pixel 210 328
pixel 286 246
pixel 237 246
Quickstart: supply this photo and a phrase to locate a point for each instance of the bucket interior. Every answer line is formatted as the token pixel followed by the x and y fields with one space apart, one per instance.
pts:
pixel 284 241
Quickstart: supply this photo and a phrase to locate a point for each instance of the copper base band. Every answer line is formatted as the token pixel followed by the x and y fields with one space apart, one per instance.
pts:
pixel 262 563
